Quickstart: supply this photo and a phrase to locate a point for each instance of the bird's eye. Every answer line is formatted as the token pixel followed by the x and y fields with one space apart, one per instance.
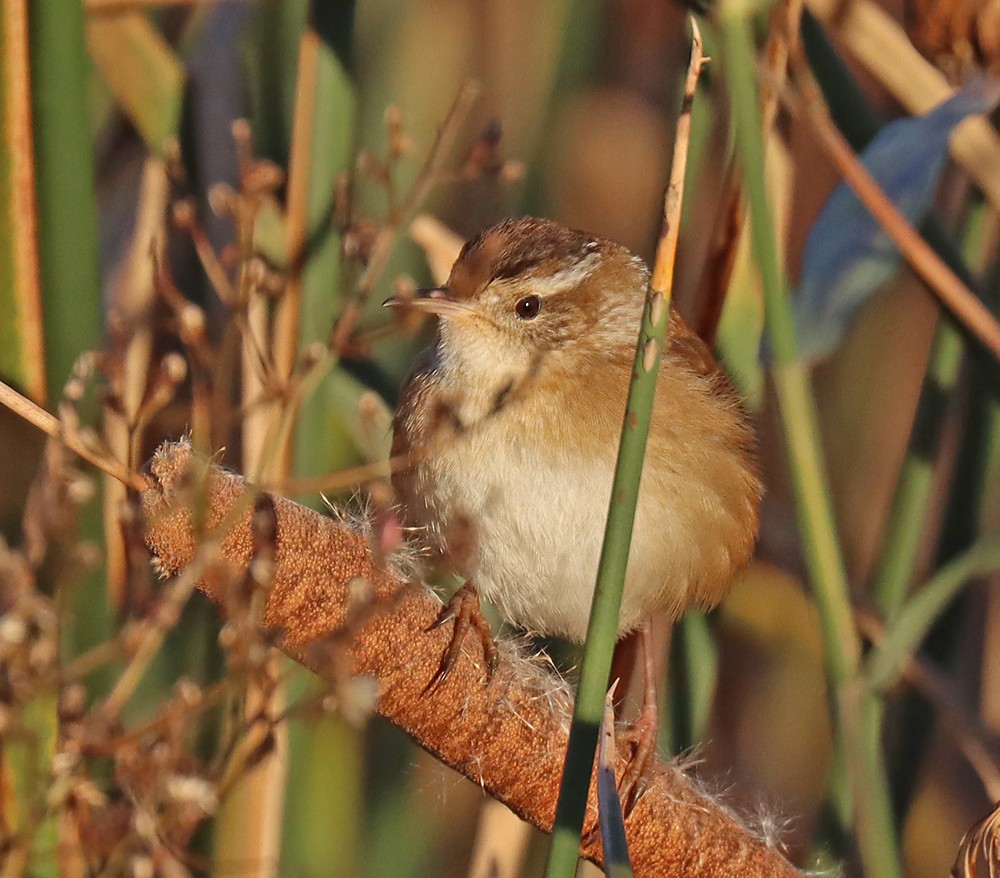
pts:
pixel 528 307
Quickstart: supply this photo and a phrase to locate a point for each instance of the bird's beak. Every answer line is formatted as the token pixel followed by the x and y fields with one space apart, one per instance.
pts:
pixel 435 300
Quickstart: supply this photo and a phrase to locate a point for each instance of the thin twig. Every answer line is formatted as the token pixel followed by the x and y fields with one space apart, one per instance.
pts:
pixel 50 425
pixel 427 178
pixel 155 629
pixel 344 479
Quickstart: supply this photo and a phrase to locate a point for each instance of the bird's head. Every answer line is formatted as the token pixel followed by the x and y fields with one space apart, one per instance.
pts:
pixel 529 290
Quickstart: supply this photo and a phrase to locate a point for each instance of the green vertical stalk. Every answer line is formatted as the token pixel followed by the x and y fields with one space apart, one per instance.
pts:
pixel 905 529
pixel 854 705
pixel 64 168
pixel 602 630
pixel 71 314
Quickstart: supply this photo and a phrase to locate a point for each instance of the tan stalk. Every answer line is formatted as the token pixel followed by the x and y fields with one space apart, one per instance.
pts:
pixel 133 301
pixel 51 426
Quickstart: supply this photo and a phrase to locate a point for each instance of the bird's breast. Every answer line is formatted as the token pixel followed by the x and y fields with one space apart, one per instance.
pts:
pixel 537 520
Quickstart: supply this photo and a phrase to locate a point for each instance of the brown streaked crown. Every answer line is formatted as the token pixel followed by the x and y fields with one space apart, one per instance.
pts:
pixel 515 248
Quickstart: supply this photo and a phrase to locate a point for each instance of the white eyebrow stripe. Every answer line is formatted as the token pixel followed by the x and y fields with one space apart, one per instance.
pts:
pixel 568 277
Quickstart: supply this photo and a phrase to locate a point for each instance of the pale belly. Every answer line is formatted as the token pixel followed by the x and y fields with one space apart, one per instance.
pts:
pixel 539 527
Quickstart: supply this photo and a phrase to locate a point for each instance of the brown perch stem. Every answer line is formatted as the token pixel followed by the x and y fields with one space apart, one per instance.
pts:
pixel 508 735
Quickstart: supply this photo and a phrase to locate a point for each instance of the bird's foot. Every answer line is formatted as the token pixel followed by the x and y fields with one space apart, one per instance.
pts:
pixel 642 735
pixel 465 609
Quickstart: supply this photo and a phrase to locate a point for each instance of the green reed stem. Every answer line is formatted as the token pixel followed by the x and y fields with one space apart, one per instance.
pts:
pixel 854 706
pixel 602 630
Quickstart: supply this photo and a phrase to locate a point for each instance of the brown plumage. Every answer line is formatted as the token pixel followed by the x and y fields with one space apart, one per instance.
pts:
pixel 513 418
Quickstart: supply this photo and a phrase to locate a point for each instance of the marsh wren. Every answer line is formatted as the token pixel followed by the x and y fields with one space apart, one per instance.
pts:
pixel 511 422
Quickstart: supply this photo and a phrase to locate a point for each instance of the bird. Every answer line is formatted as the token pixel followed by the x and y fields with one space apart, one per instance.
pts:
pixel 509 424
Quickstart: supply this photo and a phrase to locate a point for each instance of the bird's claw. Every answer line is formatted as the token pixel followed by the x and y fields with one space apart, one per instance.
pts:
pixel 642 734
pixel 464 608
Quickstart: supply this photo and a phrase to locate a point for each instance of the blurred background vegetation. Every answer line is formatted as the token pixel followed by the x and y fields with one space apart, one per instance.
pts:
pixel 230 275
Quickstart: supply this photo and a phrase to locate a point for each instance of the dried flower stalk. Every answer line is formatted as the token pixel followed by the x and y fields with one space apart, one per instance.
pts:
pixel 333 609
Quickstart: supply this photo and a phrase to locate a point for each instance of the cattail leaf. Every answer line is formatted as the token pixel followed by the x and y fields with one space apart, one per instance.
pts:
pixel 142 71
pixel 21 357
pixel 848 255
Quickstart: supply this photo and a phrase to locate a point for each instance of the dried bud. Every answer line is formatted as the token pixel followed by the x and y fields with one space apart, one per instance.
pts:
pixel 173 368
pixel 359 590
pixel 399 142
pixel 13 630
pixel 193 790
pixel 484 155
pixel 87 554
pixel 263 278
pixel 261 177
pixel 192 323
pixel 359 239
pixel 242 133
pixel 188 692
pixel 184 213
pixel 80 489
pixel 314 354
pixel 355 699
pixel 223 200
pixel 367 164
pixel 72 703
pixel 512 171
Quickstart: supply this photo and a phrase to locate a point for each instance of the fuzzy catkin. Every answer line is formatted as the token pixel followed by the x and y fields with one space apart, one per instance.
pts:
pixel 328 601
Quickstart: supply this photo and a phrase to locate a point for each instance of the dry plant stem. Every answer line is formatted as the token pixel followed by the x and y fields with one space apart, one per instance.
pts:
pixel 666 249
pixel 286 326
pixel 342 480
pixel 944 283
pixel 428 176
pixel 51 426
pixel 508 734
pixel 155 629
pixel 133 301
